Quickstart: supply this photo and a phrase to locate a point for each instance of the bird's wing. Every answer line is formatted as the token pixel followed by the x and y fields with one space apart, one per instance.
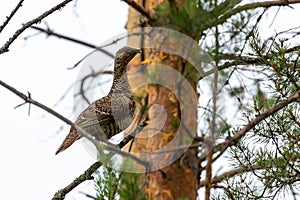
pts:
pixel 121 106
pixel 92 116
pixel 88 118
pixel 102 112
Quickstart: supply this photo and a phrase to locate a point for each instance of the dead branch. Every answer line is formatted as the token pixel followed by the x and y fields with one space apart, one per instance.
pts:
pixel 139 8
pixel 87 175
pixel 28 99
pixel 50 32
pixel 228 174
pixel 91 75
pixel 6 46
pixel 11 15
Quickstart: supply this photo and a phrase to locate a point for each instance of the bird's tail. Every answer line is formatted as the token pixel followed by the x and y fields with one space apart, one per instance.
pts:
pixel 69 140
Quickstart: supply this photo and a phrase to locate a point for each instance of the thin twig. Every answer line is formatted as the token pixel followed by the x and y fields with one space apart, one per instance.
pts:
pixel 11 15
pixel 87 175
pixel 139 8
pixel 229 174
pixel 93 74
pixel 6 46
pixel 61 36
pixel 88 195
pixel 28 99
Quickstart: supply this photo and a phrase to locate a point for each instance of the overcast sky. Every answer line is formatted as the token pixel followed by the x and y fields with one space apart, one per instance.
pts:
pixel 29 169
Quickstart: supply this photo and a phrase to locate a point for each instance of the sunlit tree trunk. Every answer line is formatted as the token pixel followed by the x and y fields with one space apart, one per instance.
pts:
pixel 180 178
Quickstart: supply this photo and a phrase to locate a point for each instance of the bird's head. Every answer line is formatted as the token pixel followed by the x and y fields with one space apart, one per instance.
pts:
pixel 124 55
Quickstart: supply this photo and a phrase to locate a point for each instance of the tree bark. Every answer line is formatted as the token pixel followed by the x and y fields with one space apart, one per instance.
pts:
pixel 180 179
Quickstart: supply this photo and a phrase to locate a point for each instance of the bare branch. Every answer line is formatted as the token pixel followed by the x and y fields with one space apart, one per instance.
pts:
pixel 29 107
pixel 50 32
pixel 61 36
pixel 88 195
pixel 234 172
pixel 93 74
pixel 6 46
pixel 11 15
pixel 229 174
pixel 240 60
pixel 139 8
pixel 87 175
pixel 28 99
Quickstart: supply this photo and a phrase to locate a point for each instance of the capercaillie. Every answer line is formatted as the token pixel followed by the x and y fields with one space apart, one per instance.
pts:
pixel 111 114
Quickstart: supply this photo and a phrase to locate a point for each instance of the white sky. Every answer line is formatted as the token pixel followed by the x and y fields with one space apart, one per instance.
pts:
pixel 29 169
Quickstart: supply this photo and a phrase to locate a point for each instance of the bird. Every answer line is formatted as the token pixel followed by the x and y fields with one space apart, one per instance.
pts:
pixel 110 114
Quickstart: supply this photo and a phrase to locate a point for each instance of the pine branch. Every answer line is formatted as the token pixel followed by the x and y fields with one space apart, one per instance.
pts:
pixel 236 138
pixel 6 46
pixel 231 173
pixel 11 15
pixel 87 175
pixel 250 6
pixel 235 60
pixel 228 174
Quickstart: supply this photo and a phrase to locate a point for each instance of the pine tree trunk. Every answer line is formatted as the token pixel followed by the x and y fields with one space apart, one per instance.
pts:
pixel 180 178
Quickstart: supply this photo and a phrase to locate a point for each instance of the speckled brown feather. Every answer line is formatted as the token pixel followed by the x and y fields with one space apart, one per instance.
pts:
pixel 111 114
